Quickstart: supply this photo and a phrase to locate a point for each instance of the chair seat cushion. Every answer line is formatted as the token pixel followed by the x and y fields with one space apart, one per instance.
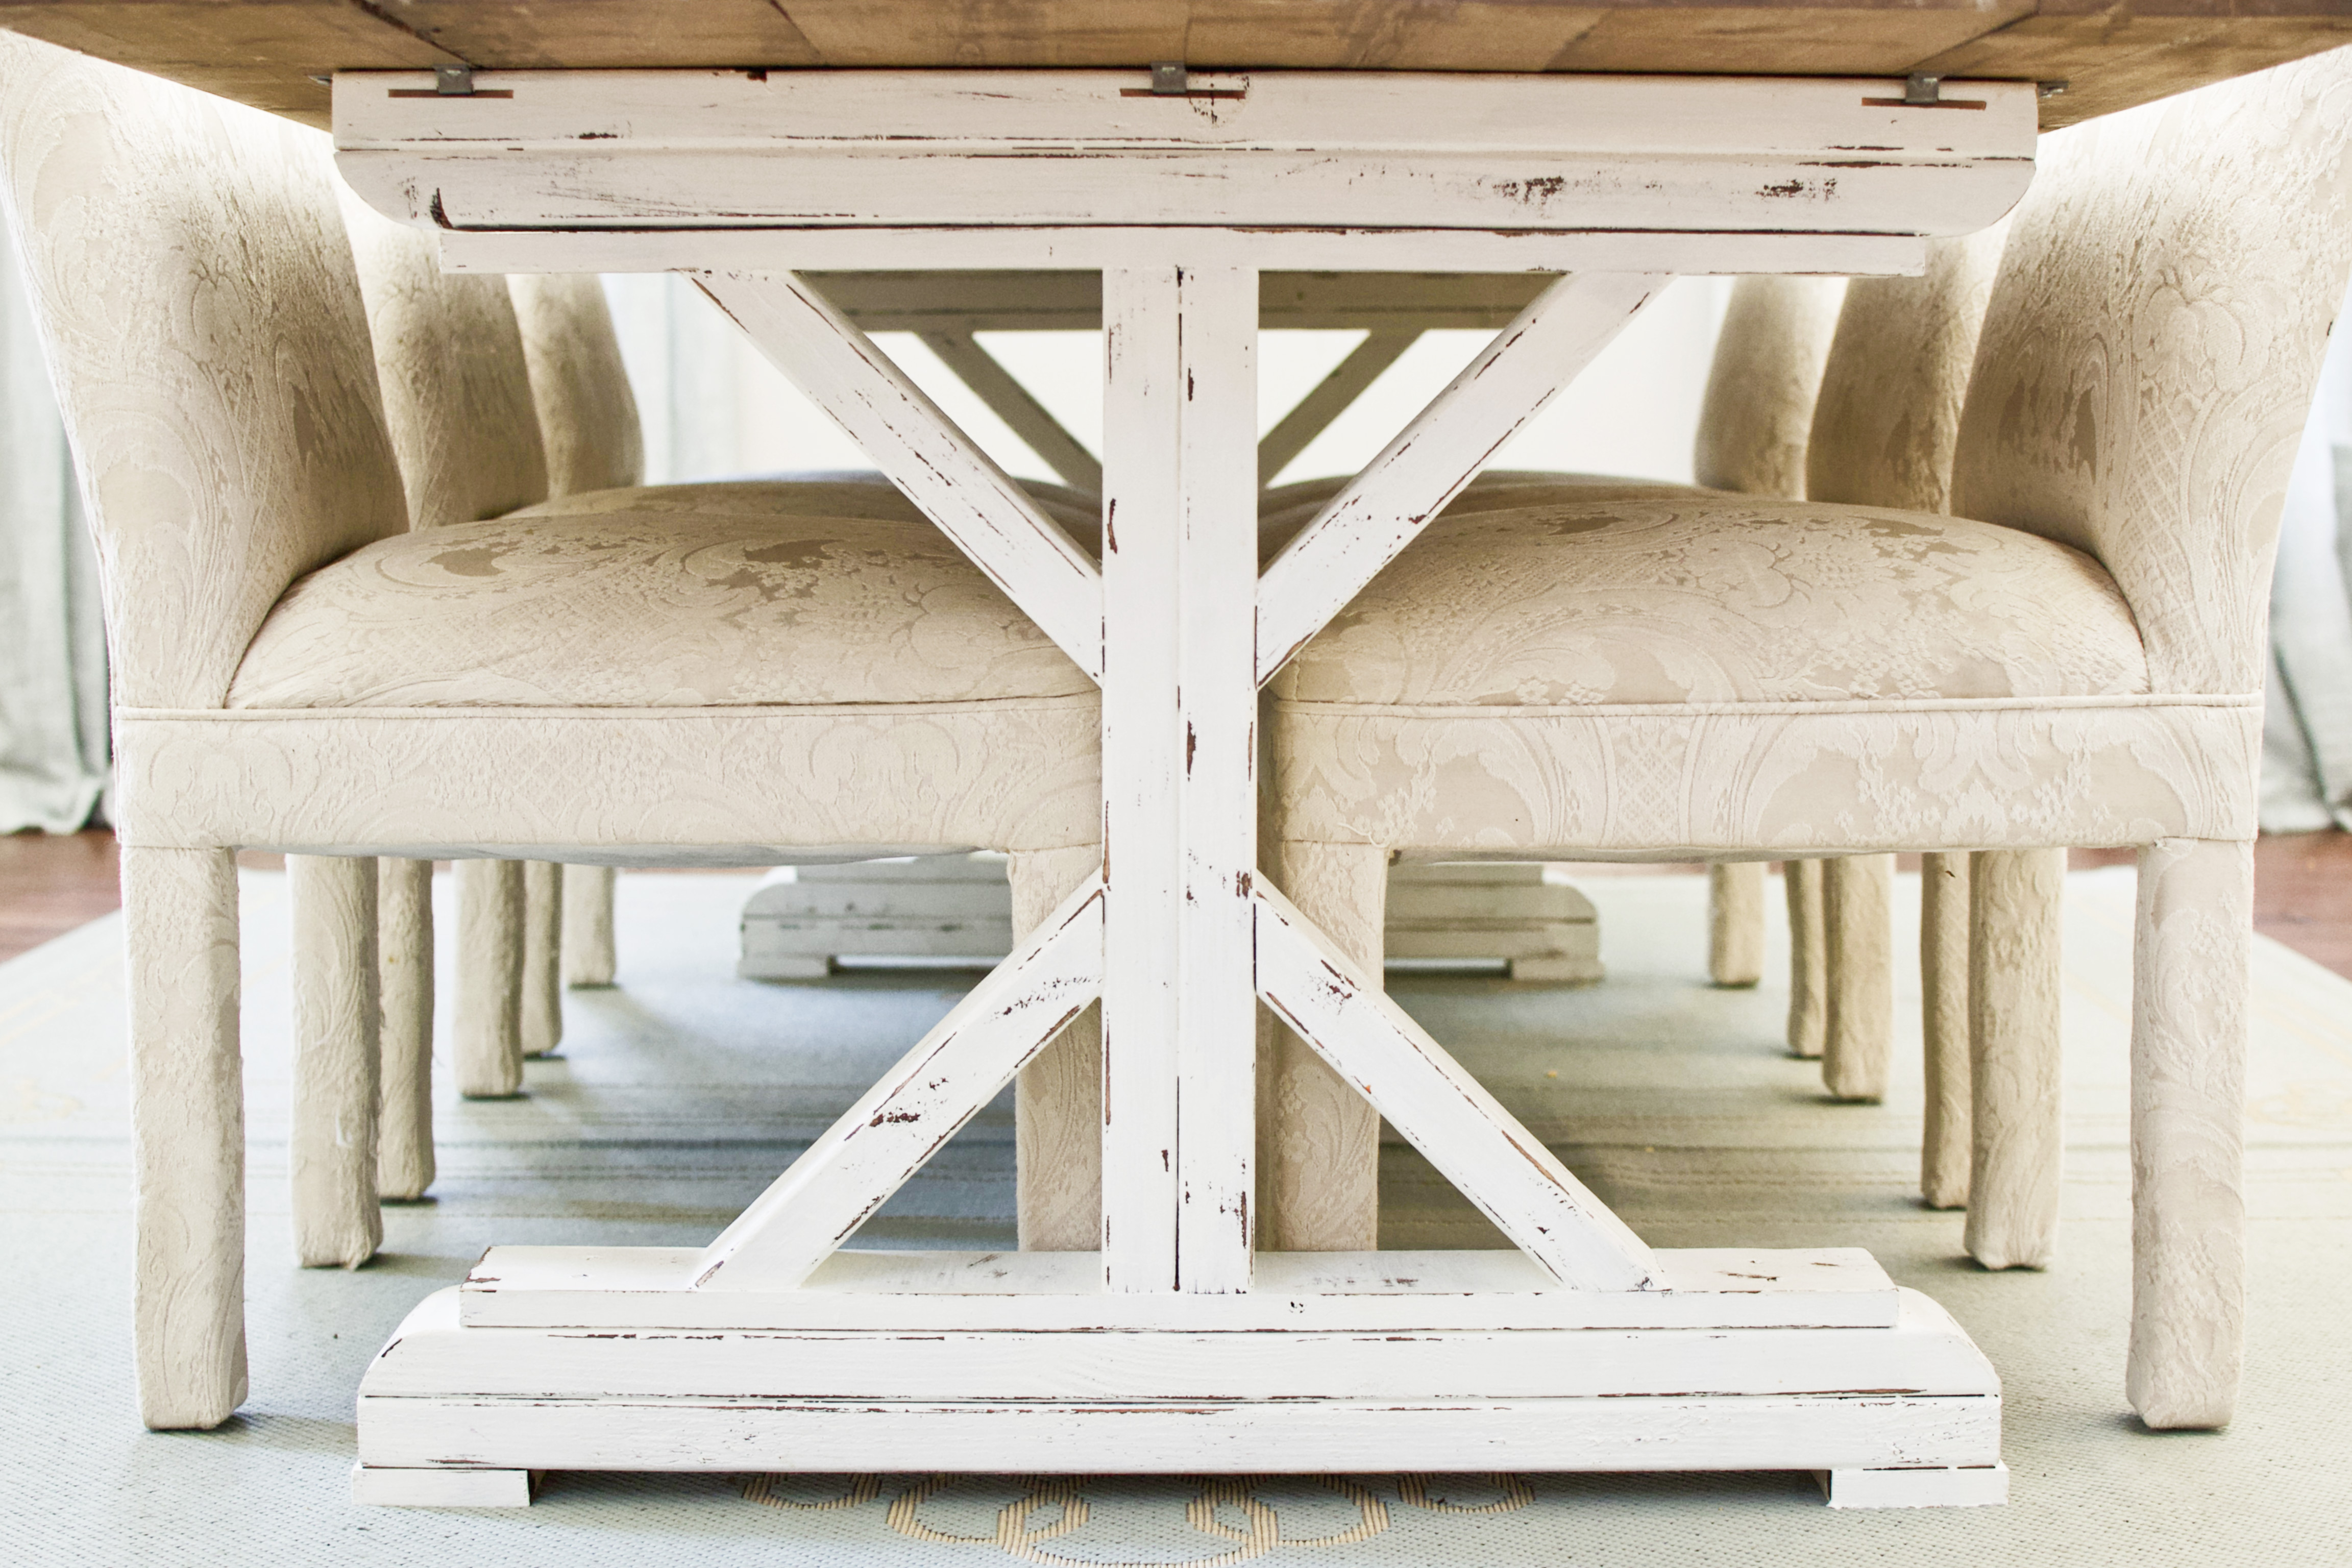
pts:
pixel 669 596
pixel 1701 598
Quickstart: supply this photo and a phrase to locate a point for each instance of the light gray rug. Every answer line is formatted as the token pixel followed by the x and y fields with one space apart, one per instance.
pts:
pixel 679 1095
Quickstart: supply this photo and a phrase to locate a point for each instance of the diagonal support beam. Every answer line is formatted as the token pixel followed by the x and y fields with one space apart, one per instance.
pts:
pixel 1332 396
pixel 1439 453
pixel 917 1106
pixel 974 502
pixel 1444 1111
pixel 1012 402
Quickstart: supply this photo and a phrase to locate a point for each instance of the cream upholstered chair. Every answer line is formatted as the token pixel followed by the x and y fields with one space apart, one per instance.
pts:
pixel 2075 658
pixel 593 440
pixel 610 677
pixel 1755 423
pixel 1883 434
pixel 1753 419
pixel 496 391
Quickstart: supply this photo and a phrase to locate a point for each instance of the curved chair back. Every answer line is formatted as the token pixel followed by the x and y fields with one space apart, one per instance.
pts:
pixel 230 439
pixel 587 416
pixel 1760 386
pixel 2155 334
pixel 457 387
pixel 1889 411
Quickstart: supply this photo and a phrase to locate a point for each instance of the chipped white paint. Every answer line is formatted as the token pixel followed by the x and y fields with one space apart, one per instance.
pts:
pixel 915 1107
pixel 1304 249
pixel 1916 1395
pixel 1047 1292
pixel 1441 1111
pixel 1173 1347
pixel 728 149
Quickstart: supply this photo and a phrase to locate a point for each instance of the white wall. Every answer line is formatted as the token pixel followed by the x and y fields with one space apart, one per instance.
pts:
pixel 713 407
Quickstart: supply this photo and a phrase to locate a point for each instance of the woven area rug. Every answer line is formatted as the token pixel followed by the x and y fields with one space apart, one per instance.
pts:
pixel 677 1096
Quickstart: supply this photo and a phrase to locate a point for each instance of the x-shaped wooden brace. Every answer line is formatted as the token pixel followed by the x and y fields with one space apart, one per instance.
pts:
pixel 1178 935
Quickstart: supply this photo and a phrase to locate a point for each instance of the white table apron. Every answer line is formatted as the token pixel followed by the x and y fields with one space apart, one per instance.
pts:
pixel 1177 1346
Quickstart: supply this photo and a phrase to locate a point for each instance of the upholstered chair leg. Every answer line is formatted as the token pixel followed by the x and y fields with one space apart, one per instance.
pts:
pixel 1807 959
pixel 403 926
pixel 187 1122
pixel 1735 926
pixel 1944 1147
pixel 1057 1101
pixel 488 1035
pixel 1858 917
pixel 1318 1153
pixel 2188 1082
pixel 2016 1130
pixel 541 1018
pixel 589 958
pixel 332 1141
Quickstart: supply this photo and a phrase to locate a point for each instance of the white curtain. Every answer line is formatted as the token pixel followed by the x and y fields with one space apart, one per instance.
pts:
pixel 2307 718
pixel 53 712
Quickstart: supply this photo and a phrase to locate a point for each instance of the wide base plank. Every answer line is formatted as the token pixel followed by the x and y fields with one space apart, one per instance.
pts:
pixel 1902 1416
pixel 634 1288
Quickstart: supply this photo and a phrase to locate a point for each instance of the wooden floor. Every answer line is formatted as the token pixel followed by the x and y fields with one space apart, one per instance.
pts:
pixel 2302 889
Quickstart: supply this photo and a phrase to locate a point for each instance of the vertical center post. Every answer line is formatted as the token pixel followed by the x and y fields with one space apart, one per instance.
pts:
pixel 1180 775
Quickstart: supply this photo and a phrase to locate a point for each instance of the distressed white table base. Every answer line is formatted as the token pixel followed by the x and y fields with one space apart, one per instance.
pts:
pixel 1396 1380
pixel 1583 1350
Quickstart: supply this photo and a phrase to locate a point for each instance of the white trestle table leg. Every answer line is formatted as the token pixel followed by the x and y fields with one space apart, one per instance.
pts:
pixel 1173 1343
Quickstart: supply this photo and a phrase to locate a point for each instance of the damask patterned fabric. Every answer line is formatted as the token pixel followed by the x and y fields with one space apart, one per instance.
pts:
pixel 588 421
pixel 1705 599
pixel 1889 410
pixel 1757 416
pixel 223 406
pixel 2079 666
pixel 674 596
pixel 2147 361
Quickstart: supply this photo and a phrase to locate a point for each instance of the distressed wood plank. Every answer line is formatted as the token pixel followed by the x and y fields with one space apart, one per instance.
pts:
pixel 1046 1292
pixel 974 502
pixel 1386 507
pixel 268 55
pixel 1143 754
pixel 1441 1111
pixel 1700 1432
pixel 1924 1353
pixel 1508 119
pixel 650 149
pixel 1217 803
pixel 915 1107
pixel 1326 249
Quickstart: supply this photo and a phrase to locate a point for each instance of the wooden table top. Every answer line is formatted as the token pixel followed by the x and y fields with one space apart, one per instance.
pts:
pixel 274 54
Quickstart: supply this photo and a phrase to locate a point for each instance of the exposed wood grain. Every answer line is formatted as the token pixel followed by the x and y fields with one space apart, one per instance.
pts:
pixel 50 883
pixel 268 54
pixel 2114 55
